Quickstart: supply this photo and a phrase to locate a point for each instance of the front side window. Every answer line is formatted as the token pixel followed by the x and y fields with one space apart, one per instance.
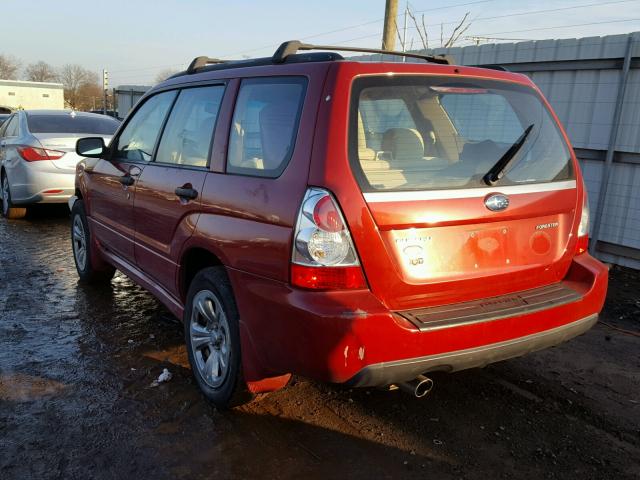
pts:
pixel 187 135
pixel 427 133
pixel 265 125
pixel 138 139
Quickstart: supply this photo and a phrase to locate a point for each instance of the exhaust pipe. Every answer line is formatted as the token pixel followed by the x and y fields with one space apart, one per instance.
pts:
pixel 418 387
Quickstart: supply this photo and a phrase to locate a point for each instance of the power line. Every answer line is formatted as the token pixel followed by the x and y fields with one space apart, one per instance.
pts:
pixel 510 15
pixel 496 17
pixel 445 7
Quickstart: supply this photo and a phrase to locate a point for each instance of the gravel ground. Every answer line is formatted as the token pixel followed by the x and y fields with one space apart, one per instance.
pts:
pixel 76 396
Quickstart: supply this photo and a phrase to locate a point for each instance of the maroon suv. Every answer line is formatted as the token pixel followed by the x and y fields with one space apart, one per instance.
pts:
pixel 361 223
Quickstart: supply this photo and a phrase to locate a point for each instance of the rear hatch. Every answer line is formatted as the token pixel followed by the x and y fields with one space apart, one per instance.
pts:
pixel 59 131
pixel 470 183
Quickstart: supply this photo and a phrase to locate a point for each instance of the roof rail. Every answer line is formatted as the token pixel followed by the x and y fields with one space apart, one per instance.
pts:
pixel 200 62
pixel 292 46
pixel 492 66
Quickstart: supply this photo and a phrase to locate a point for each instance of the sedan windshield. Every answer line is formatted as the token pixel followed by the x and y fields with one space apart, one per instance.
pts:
pixel 424 133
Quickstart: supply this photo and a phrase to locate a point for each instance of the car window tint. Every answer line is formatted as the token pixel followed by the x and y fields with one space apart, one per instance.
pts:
pixel 428 133
pixel 479 117
pixel 12 127
pixel 72 123
pixel 265 123
pixel 383 114
pixel 138 139
pixel 187 135
pixel 3 126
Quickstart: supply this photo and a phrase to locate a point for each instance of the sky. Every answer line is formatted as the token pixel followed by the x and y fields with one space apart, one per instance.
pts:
pixel 135 40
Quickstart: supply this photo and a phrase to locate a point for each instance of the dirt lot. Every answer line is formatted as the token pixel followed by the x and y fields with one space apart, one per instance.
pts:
pixel 76 401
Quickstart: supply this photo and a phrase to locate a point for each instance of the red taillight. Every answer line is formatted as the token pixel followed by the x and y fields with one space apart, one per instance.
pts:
pixel 324 257
pixel 326 216
pixel 34 154
pixel 327 278
pixel 582 245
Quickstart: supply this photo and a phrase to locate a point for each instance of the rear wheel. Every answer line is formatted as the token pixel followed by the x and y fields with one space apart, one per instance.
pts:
pixel 8 210
pixel 212 335
pixel 82 249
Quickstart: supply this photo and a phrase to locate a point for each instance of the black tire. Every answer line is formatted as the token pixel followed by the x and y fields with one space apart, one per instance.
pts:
pixel 8 210
pixel 231 390
pixel 87 271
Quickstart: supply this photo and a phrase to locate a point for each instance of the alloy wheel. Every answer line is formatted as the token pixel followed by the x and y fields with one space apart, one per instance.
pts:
pixel 210 340
pixel 5 195
pixel 79 242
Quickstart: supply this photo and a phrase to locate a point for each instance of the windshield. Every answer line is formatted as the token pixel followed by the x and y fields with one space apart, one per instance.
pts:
pixel 67 123
pixel 424 133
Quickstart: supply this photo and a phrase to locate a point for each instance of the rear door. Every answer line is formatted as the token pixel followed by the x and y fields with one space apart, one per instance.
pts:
pixel 420 149
pixel 113 180
pixel 169 190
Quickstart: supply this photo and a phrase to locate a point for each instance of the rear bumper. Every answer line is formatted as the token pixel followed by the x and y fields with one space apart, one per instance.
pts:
pixel 31 183
pixel 350 337
pixel 402 370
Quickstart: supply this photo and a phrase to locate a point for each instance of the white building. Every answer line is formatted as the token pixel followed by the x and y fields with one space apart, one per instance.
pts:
pixel 15 94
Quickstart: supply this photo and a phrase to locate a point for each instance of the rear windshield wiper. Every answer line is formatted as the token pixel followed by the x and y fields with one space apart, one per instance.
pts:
pixel 497 171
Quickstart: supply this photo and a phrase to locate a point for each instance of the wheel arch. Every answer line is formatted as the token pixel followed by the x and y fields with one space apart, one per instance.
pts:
pixel 193 260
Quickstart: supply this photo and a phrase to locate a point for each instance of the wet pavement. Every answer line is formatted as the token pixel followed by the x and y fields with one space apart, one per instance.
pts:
pixel 77 400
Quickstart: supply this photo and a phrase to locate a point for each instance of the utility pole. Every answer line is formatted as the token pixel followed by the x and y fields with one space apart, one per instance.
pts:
pixel 105 86
pixel 389 33
pixel 404 32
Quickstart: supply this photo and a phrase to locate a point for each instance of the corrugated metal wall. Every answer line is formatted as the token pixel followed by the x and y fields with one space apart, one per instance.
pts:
pixel 581 78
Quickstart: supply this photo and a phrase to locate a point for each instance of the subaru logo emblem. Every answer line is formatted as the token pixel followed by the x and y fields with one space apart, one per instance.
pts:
pixel 496 202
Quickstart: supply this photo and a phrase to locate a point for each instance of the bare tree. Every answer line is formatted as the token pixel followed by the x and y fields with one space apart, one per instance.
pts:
pixel 456 34
pixel 80 86
pixel 164 74
pixel 9 67
pixel 41 72
pixel 462 27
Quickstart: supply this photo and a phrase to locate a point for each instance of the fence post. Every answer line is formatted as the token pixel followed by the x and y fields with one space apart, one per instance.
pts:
pixel 613 138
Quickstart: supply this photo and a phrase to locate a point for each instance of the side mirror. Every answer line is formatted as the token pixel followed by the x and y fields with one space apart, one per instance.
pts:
pixel 92 147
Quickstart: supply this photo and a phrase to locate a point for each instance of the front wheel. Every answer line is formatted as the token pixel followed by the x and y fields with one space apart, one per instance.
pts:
pixel 212 335
pixel 8 210
pixel 82 249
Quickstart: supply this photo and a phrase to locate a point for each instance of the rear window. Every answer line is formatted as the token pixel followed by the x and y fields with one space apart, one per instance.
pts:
pixel 67 123
pixel 265 124
pixel 424 133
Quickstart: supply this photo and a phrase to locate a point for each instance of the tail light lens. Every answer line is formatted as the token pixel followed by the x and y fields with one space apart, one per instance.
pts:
pixel 324 257
pixel 583 229
pixel 34 154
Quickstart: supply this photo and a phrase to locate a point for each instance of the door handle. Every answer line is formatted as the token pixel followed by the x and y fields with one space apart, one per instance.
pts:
pixel 187 193
pixel 127 180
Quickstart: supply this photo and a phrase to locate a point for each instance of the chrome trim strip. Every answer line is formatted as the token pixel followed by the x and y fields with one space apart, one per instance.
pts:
pixel 378 197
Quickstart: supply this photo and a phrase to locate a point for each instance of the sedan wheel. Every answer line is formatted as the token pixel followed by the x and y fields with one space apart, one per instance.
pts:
pixel 5 196
pixel 9 211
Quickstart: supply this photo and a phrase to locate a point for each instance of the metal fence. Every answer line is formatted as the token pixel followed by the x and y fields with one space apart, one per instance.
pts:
pixel 126 96
pixel 593 84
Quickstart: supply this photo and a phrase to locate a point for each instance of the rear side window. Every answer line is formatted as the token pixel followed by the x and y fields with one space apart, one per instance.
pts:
pixel 187 135
pixel 427 133
pixel 265 125
pixel 72 123
pixel 11 129
pixel 139 137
